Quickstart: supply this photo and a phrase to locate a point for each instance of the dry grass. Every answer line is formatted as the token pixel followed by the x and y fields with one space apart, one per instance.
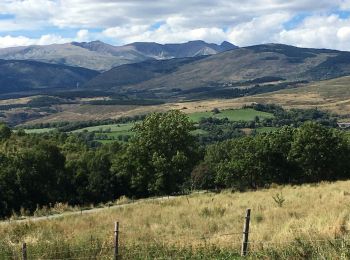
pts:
pixel 15 101
pixel 310 212
pixel 331 95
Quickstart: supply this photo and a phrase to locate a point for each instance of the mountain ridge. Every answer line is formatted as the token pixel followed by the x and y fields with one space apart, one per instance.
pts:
pixel 19 75
pixel 240 65
pixel 97 55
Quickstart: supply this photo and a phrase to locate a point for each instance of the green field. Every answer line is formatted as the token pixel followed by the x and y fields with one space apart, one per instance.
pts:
pixel 38 130
pixel 106 128
pixel 114 131
pixel 232 115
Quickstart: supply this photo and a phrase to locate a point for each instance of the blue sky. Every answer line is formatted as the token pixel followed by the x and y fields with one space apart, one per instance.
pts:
pixel 306 23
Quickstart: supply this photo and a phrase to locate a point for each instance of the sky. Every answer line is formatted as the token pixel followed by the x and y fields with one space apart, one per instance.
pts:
pixel 303 23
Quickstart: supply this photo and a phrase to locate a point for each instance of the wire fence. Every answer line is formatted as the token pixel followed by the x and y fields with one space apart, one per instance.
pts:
pixel 159 248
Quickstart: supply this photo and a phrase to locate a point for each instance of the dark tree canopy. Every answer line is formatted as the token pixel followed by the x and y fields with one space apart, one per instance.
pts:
pixel 161 155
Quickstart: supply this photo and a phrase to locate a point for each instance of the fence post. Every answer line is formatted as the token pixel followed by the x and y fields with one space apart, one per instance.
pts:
pixel 116 238
pixel 24 251
pixel 244 249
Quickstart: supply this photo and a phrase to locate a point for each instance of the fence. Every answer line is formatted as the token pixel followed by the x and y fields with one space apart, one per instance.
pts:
pixel 115 251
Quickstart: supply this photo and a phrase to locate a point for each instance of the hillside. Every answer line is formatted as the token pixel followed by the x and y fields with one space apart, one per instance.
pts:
pixel 130 74
pixel 27 75
pixel 312 223
pixel 100 56
pixel 332 95
pixel 240 67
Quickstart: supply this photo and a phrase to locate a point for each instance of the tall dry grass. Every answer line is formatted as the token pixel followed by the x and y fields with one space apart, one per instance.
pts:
pixel 312 221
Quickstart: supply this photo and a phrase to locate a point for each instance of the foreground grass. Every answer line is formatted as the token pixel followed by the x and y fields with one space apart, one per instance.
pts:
pixel 312 222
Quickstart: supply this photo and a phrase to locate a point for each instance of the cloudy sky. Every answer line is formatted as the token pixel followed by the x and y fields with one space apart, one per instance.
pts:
pixel 308 23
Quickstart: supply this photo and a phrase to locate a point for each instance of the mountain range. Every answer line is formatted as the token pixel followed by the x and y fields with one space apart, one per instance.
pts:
pixel 101 56
pixel 235 67
pixel 162 70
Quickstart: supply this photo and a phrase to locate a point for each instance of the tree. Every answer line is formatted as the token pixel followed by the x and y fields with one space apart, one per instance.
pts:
pixel 202 177
pixel 5 131
pixel 252 162
pixel 321 152
pixel 161 155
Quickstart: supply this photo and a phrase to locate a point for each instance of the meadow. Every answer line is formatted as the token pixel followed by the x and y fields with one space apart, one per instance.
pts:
pixel 287 222
pixel 107 128
pixel 38 130
pixel 115 130
pixel 231 114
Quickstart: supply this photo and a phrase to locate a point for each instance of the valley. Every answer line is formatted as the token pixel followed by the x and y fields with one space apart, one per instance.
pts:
pixel 216 128
pixel 271 73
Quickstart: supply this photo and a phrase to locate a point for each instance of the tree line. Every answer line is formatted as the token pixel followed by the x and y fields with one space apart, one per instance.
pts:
pixel 162 157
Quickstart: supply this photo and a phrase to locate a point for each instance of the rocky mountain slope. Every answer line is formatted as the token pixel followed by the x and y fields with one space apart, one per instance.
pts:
pixel 250 64
pixel 100 56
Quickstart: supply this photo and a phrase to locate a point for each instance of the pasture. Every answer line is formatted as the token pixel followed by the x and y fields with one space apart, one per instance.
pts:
pixel 306 222
pixel 114 128
pixel 231 114
pixel 38 130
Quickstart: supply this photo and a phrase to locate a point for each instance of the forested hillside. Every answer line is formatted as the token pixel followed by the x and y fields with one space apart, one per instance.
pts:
pixel 162 157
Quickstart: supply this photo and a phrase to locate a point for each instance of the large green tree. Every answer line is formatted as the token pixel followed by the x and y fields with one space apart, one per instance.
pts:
pixel 322 153
pixel 161 155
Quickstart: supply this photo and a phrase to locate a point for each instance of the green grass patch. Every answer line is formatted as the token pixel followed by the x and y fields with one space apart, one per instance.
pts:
pixel 38 130
pixel 105 128
pixel 232 115
pixel 199 132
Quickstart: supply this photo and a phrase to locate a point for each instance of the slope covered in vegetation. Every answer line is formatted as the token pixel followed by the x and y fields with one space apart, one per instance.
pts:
pixel 311 223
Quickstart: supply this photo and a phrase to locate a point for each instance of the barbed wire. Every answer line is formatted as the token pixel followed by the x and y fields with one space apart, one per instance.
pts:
pixel 253 230
pixel 79 257
pixel 71 251
pixel 262 242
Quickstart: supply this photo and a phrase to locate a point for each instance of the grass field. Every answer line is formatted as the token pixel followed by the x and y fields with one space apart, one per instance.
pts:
pixel 39 130
pixel 232 115
pixel 104 128
pixel 116 130
pixel 312 222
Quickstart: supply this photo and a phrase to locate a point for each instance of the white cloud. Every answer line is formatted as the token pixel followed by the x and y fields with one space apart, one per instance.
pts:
pixel 344 33
pixel 164 34
pixel 319 32
pixel 259 30
pixel 345 5
pixel 120 33
pixel 10 41
pixel 185 13
pixel 83 35
pixel 124 21
pixel 28 14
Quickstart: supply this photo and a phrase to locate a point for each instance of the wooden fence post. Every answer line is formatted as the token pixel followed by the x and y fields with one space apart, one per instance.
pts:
pixel 24 251
pixel 116 240
pixel 244 249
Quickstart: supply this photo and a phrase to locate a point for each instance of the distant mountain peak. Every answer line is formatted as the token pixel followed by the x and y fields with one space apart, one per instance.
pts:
pixel 101 56
pixel 227 46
